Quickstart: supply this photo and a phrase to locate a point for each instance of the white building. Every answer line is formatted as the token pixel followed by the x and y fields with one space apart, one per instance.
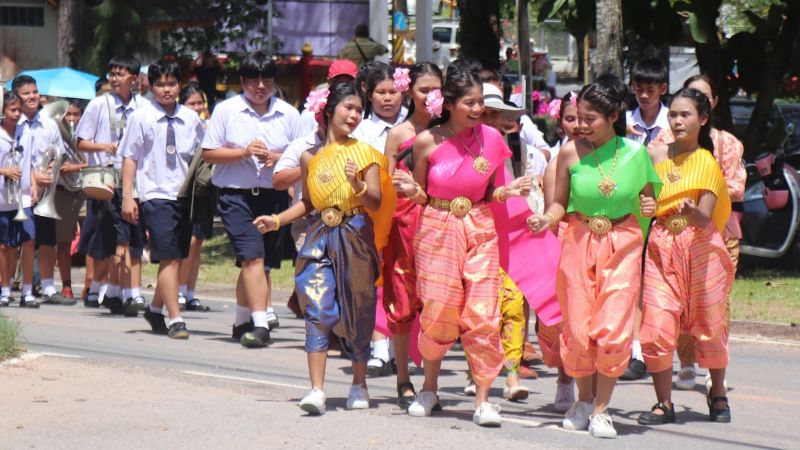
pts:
pixel 28 36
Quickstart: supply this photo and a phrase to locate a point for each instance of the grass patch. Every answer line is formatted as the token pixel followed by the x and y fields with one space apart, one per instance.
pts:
pixel 9 332
pixel 771 295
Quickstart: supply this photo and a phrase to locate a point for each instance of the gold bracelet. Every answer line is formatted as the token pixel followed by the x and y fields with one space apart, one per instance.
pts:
pixel 499 194
pixel 362 191
pixel 277 221
pixel 552 218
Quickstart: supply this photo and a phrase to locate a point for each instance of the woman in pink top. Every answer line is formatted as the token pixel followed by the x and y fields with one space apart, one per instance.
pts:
pixel 456 246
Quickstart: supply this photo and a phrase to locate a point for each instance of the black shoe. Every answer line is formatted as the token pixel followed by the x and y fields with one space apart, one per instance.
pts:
pixel 114 304
pixel 130 308
pixel 140 303
pixel 156 321
pixel 722 415
pixel 178 331
pixel 384 370
pixel 90 301
pixel 636 370
pixel 195 305
pixel 28 303
pixel 650 418
pixel 58 299
pixel 240 330
pixel 257 338
pixel 272 321
pixel 404 401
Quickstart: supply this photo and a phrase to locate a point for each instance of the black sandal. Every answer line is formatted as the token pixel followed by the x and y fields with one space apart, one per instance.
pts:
pixel 404 401
pixel 195 305
pixel 651 418
pixel 722 415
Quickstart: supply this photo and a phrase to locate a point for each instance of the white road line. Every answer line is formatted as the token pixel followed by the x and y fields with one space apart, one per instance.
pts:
pixel 62 355
pixel 756 340
pixel 247 380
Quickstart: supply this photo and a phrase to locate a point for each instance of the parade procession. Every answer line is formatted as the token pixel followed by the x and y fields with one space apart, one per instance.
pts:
pixel 442 217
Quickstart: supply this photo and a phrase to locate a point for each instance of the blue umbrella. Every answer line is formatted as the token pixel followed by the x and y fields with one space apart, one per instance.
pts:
pixel 63 82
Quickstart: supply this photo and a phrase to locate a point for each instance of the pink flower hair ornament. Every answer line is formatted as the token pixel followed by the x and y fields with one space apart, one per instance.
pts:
pixel 401 79
pixel 554 109
pixel 316 101
pixel 434 103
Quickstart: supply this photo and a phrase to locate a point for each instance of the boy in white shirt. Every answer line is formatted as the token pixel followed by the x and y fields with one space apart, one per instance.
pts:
pixel 649 80
pixel 157 149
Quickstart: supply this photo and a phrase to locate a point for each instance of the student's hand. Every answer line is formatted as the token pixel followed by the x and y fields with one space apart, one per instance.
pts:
pixel 520 187
pixel 265 224
pixel 539 222
pixel 42 179
pixel 351 172
pixel 647 206
pixel 404 183
pixel 258 149
pixel 130 210
pixel 68 168
pixel 271 158
pixel 12 173
pixel 110 149
pixel 687 207
pixel 632 131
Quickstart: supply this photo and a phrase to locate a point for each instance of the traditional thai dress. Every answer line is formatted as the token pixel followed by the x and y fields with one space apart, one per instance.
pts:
pixel 688 272
pixel 599 273
pixel 338 265
pixel 512 322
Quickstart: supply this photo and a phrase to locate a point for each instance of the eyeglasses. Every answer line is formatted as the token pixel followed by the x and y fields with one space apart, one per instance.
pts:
pixel 256 82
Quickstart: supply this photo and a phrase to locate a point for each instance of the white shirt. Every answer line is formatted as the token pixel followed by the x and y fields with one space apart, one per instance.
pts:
pixel 35 135
pixel 307 123
pixel 531 135
pixel 373 130
pixel 235 124
pixel 290 159
pixel 648 133
pixel 96 125
pixel 7 147
pixel 145 142
pixel 536 161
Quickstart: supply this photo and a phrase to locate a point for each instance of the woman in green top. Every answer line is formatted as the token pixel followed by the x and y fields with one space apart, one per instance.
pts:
pixel 607 185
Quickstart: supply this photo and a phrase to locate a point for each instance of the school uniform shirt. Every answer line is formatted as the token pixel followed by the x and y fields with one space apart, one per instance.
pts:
pixel 536 161
pixel 159 175
pixel 35 134
pixel 531 135
pixel 307 124
pixel 648 132
pixel 96 125
pixel 235 124
pixel 373 130
pixel 290 159
pixel 7 149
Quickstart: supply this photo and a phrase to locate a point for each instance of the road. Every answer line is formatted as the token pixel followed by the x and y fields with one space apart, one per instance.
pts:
pixel 100 381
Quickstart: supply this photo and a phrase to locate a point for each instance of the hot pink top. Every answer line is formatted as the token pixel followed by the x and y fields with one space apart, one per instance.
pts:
pixel 450 171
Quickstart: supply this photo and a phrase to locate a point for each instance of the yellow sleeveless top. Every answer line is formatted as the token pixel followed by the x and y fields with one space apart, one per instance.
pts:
pixel 328 186
pixel 699 171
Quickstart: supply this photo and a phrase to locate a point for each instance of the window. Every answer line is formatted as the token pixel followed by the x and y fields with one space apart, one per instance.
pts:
pixel 19 16
pixel 442 34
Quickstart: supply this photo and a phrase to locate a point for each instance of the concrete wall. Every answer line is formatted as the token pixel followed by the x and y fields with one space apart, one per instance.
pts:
pixel 23 48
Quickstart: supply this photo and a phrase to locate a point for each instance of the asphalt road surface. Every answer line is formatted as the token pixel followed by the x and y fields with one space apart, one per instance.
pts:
pixel 100 381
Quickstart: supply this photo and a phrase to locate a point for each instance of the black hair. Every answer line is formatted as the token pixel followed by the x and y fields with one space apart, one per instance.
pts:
pixel 369 76
pixel 704 78
pixel 9 98
pixel 607 100
pixel 189 91
pixel 162 68
pixel 19 81
pixel 468 64
pixel 257 65
pixel 337 93
pixel 489 75
pixel 566 100
pixel 80 104
pixel 99 84
pixel 650 70
pixel 703 105
pixel 127 62
pixel 456 85
pixel 362 30
pixel 418 70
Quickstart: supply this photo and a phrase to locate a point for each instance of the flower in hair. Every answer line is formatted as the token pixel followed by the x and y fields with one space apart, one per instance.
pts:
pixel 401 79
pixel 434 103
pixel 316 100
pixel 554 109
pixel 573 98
pixel 535 96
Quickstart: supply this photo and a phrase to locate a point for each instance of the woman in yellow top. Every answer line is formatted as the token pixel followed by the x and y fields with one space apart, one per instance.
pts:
pixel 688 273
pixel 338 264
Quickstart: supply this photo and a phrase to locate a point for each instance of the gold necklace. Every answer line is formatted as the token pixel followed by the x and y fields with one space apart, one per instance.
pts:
pixel 607 185
pixel 674 174
pixel 479 163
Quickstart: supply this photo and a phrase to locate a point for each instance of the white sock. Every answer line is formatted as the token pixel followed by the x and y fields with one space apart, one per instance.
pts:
pixel 156 309
pixel 136 292
pixel 242 315
pixel 95 287
pixel 101 294
pixel 270 310
pixel 48 286
pixel 112 290
pixel 380 349
pixel 5 291
pixel 636 351
pixel 27 289
pixel 259 319
pixel 182 290
pixel 190 294
pixel 175 320
pixel 126 293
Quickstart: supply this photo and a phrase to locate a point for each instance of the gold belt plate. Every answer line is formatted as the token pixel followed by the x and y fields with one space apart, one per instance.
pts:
pixel 331 217
pixel 599 225
pixel 460 206
pixel 676 223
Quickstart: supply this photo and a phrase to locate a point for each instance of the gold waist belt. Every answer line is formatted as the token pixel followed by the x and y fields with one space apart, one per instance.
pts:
pixel 333 217
pixel 459 206
pixel 600 225
pixel 674 223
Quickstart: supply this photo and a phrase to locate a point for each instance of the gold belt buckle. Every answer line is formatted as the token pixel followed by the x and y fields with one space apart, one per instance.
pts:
pixel 599 225
pixel 331 217
pixel 676 223
pixel 460 206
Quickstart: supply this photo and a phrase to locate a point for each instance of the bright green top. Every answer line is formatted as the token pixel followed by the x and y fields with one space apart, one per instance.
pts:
pixel 634 170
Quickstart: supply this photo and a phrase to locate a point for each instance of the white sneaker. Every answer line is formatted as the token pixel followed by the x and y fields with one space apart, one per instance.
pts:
pixel 577 417
pixel 358 398
pixel 601 426
pixel 181 301
pixel 423 404
pixel 565 396
pixel 470 389
pixel 708 382
pixel 313 403
pixel 685 380
pixel 487 415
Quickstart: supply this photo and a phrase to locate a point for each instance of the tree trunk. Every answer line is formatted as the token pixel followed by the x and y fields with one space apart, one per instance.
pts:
pixel 70 32
pixel 479 31
pixel 608 54
pixel 709 60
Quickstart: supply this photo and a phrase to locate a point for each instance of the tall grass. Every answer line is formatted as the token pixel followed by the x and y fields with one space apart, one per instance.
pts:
pixel 9 332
